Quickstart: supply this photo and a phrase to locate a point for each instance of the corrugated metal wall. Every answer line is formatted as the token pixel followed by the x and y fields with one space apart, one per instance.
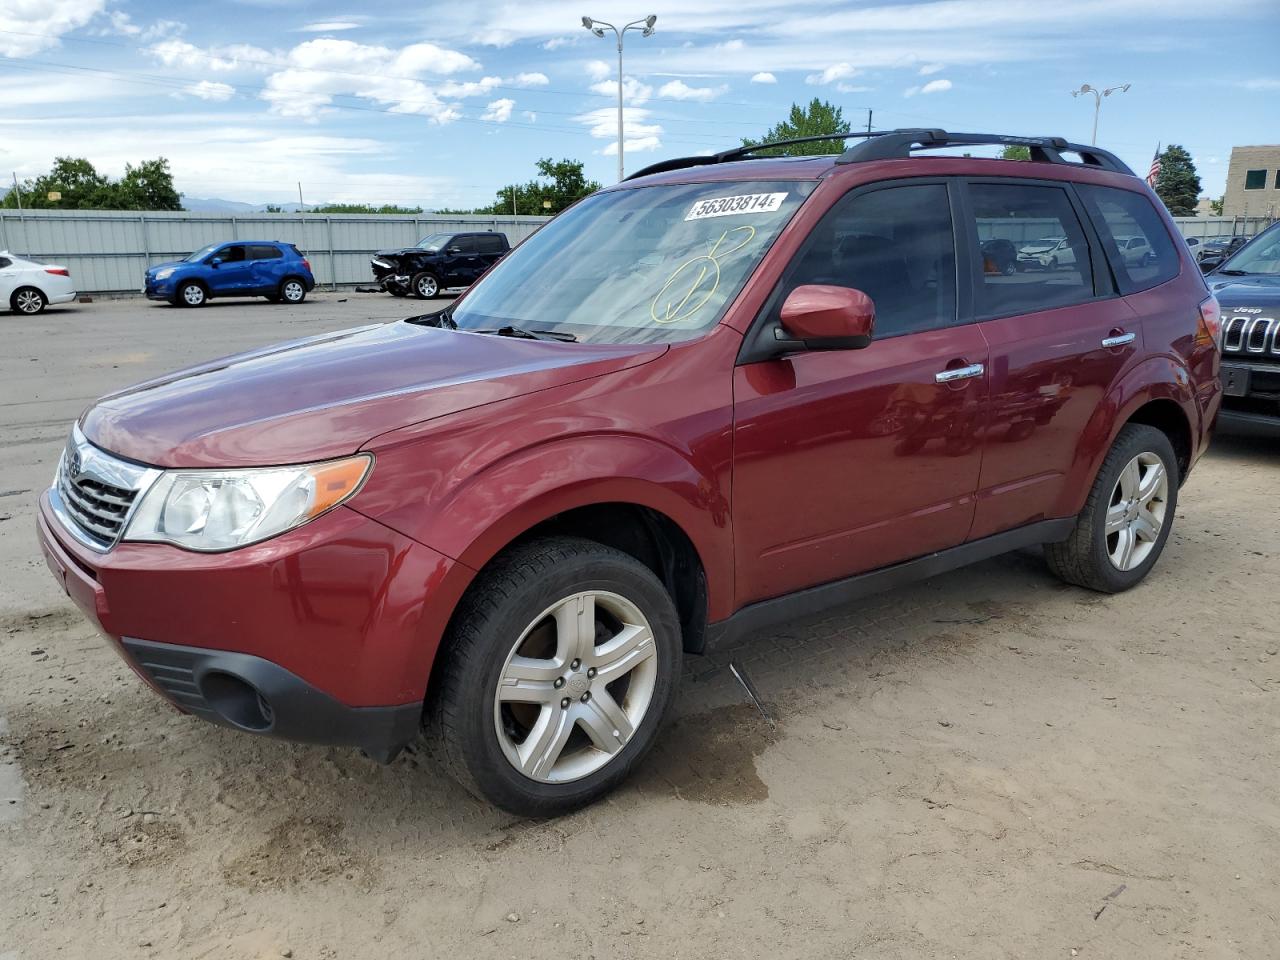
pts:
pixel 107 251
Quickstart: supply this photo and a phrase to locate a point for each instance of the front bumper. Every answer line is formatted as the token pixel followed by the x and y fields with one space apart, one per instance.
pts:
pixel 325 634
pixel 1251 394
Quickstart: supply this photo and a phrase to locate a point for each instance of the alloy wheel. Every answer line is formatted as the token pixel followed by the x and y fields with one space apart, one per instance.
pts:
pixel 428 288
pixel 293 291
pixel 29 301
pixel 575 687
pixel 1137 511
pixel 193 295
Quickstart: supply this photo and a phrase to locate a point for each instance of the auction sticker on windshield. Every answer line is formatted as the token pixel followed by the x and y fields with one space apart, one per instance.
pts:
pixel 742 203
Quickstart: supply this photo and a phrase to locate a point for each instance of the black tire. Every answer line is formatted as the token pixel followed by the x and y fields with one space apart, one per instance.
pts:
pixel 1053 263
pixel 425 285
pixel 504 601
pixel 186 295
pixel 1084 558
pixel 1010 268
pixel 28 301
pixel 292 290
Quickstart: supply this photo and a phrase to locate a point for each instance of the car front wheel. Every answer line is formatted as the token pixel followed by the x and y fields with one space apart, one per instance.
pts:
pixel 1125 523
pixel 561 666
pixel 425 286
pixel 191 295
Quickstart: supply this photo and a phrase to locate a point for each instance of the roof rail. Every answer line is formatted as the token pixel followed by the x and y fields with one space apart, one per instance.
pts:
pixel 898 144
pixel 740 153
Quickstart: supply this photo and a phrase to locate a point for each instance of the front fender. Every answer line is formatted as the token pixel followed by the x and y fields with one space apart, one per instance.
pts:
pixel 1157 378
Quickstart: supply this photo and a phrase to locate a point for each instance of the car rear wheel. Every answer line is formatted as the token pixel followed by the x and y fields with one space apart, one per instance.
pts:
pixel 425 286
pixel 1010 268
pixel 1126 521
pixel 293 290
pixel 191 295
pixel 27 300
pixel 560 668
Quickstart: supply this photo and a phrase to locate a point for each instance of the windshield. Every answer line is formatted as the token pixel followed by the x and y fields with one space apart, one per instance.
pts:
pixel 202 253
pixel 644 265
pixel 433 242
pixel 1260 256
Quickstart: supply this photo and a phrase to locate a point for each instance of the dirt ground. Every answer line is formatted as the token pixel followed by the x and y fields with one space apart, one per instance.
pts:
pixel 990 764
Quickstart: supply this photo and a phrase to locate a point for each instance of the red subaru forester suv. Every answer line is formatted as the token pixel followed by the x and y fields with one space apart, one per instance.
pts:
pixel 727 393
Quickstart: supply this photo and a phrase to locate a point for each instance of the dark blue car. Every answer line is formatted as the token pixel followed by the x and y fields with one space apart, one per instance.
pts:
pixel 243 268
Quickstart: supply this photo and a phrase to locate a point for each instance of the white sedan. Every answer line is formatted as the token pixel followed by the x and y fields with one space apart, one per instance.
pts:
pixel 28 287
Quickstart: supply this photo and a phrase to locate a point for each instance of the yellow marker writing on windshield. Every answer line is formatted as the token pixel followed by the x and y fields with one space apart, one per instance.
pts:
pixel 702 288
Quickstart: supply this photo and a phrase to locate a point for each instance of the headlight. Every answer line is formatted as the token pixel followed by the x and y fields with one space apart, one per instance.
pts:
pixel 165 273
pixel 215 510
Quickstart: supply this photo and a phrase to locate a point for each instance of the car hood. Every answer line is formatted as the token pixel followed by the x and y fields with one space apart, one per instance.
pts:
pixel 1235 292
pixel 168 263
pixel 326 396
pixel 399 251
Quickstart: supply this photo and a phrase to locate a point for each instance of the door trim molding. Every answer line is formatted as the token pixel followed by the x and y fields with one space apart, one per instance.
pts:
pixel 814 600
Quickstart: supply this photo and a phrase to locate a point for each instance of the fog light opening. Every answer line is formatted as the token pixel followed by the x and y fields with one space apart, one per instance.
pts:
pixel 237 701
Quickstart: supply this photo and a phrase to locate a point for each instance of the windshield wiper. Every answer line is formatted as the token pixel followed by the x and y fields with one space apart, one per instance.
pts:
pixel 523 334
pixel 1235 273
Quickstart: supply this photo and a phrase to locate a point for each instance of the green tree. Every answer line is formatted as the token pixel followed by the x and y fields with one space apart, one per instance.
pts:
pixel 561 184
pixel 1014 152
pixel 1216 205
pixel 818 118
pixel 1178 184
pixel 148 186
pixel 362 208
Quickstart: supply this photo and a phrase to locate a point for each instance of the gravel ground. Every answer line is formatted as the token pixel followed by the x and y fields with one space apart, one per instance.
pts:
pixel 990 764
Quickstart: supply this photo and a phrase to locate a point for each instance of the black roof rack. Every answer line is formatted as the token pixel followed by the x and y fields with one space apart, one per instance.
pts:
pixel 898 144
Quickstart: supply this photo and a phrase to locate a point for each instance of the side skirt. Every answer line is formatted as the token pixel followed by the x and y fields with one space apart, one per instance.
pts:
pixel 839 593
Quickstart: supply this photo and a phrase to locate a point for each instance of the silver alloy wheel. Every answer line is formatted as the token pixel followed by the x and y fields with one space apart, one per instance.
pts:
pixel 193 294
pixel 1137 511
pixel 575 687
pixel 427 287
pixel 29 301
pixel 294 291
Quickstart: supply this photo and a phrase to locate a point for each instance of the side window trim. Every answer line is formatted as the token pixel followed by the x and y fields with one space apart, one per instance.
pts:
pixel 1104 285
pixel 756 345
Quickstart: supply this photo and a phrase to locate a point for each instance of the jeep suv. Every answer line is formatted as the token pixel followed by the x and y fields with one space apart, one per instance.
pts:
pixel 1248 285
pixel 438 261
pixel 507 521
pixel 245 268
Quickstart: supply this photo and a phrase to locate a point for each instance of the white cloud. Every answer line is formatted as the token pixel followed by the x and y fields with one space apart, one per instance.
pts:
pixel 837 71
pixel 931 68
pixel 764 77
pixel 531 80
pixel 639 134
pixel 499 111
pixel 597 69
pixel 224 59
pixel 44 23
pixel 731 46
pixel 555 43
pixel 1261 83
pixel 329 26
pixel 633 91
pixel 679 90
pixel 933 86
pixel 529 116
pixel 210 90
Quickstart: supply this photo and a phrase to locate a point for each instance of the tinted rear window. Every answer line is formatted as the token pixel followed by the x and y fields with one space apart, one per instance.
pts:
pixel 1141 252
pixel 490 244
pixel 264 251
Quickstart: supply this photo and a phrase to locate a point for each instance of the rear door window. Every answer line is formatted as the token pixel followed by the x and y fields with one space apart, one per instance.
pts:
pixel 490 244
pixel 264 251
pixel 1051 267
pixel 1134 238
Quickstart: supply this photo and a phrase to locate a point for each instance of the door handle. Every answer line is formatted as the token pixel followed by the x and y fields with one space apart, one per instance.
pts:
pixel 1119 340
pixel 959 373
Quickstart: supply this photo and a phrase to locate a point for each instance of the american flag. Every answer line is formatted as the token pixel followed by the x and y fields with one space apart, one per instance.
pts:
pixel 1154 173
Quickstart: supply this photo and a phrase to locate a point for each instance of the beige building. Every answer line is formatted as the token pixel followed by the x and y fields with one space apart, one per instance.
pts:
pixel 1253 183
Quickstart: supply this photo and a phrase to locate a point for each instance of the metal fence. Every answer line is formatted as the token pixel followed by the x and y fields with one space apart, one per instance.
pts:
pixel 108 251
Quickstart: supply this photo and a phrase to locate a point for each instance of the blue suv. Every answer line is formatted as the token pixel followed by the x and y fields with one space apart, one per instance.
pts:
pixel 244 268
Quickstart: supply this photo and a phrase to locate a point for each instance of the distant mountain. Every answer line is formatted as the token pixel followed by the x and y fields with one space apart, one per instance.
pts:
pixel 218 205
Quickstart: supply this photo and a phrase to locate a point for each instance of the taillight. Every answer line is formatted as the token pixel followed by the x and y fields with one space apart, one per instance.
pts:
pixel 58 271
pixel 306 263
pixel 1210 327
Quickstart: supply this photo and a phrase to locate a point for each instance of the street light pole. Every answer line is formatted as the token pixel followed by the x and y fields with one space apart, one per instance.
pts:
pixel 1097 102
pixel 645 27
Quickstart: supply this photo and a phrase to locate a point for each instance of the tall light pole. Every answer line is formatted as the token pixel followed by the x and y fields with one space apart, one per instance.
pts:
pixel 1097 102
pixel 645 27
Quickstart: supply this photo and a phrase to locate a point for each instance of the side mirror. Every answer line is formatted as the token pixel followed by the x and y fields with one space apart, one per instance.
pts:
pixel 215 262
pixel 454 250
pixel 823 317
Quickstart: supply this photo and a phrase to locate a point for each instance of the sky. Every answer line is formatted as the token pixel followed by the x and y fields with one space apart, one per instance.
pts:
pixel 439 104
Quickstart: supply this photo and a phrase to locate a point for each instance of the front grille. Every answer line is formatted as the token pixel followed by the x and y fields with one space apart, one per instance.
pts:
pixel 94 493
pixel 1254 335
